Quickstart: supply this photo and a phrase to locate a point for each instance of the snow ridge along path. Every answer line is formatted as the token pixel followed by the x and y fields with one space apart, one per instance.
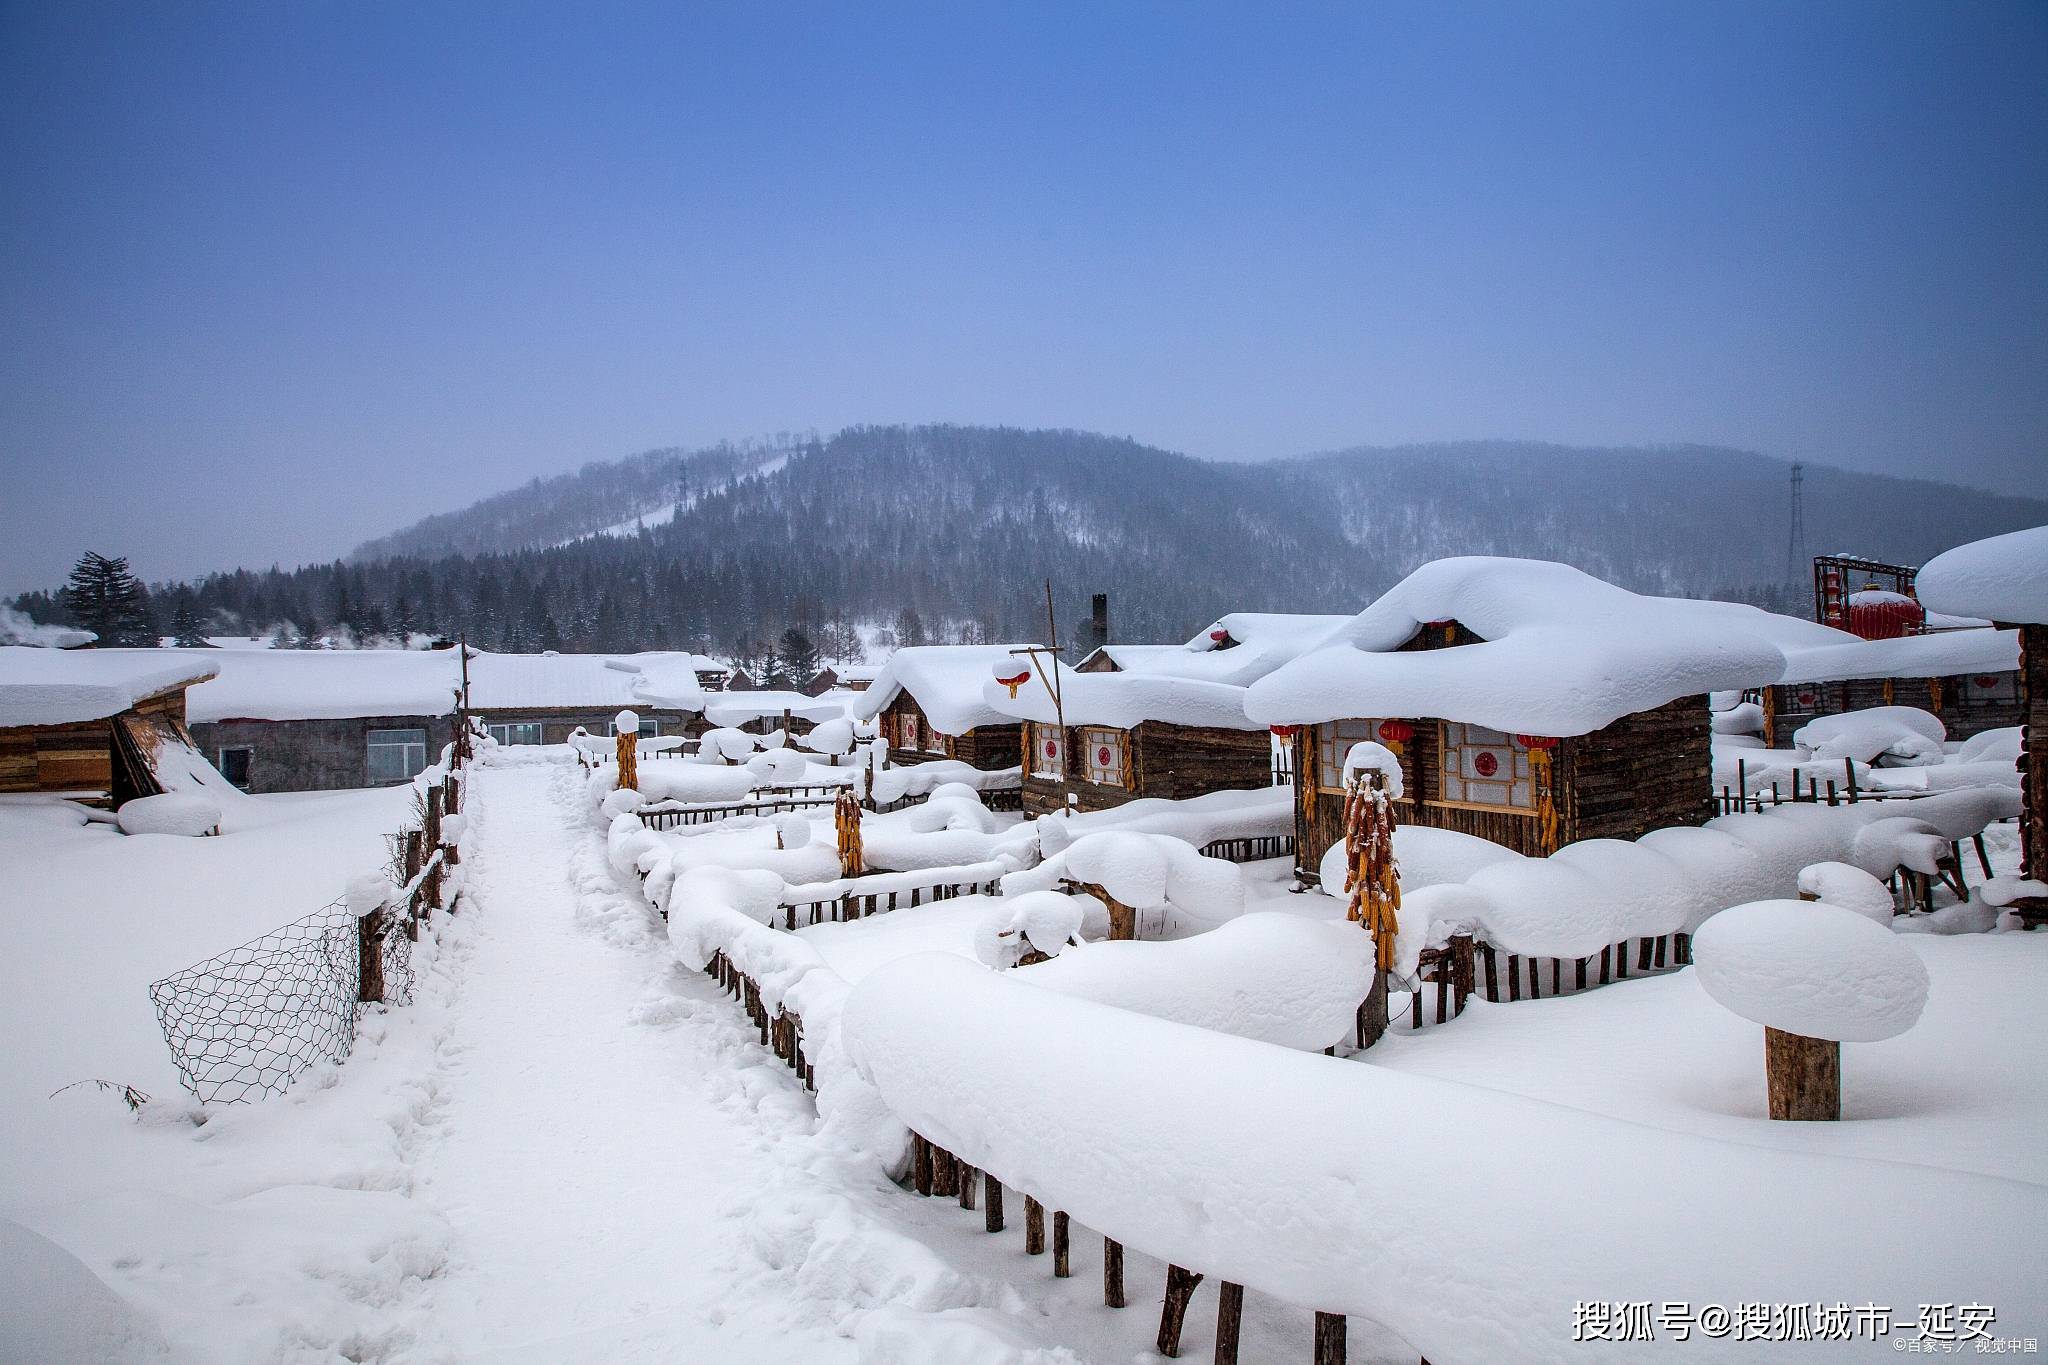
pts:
pixel 628 1175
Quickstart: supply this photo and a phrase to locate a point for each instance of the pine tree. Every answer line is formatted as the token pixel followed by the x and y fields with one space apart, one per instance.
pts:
pixel 909 627
pixel 796 657
pixel 185 628
pixel 110 601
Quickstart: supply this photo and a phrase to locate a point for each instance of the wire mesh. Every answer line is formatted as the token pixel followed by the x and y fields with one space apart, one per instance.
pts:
pixel 244 1024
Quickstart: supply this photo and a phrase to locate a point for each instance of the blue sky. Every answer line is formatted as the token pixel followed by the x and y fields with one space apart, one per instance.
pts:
pixel 279 277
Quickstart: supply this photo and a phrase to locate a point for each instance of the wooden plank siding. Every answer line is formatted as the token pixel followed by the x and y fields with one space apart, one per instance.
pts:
pixel 1174 762
pixel 1645 771
pixel 1967 705
pixel 88 756
pixel 987 747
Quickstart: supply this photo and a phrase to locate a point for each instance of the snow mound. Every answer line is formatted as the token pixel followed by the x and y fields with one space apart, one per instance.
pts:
pixel 1990 746
pixel 725 743
pixel 170 813
pixel 57 1312
pixel 1144 871
pixel 1277 978
pixel 778 767
pixel 2003 577
pixel 792 831
pixel 1048 921
pixel 1369 756
pixel 829 737
pixel 1811 968
pixel 1905 734
pixel 1850 887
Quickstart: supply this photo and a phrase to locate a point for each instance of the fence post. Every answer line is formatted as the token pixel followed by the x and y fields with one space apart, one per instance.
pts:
pixel 370 931
pixel 410 842
pixel 430 889
pixel 1180 1288
pixel 450 800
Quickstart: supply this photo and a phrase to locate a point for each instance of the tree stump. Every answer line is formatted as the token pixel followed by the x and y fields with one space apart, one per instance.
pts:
pixel 1804 1075
pixel 1180 1288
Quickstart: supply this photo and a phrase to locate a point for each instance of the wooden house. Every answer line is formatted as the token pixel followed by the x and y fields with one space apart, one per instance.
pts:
pixel 542 698
pixel 1968 679
pixel 103 726
pixel 1530 704
pixel 842 678
pixel 926 703
pixel 1117 737
pixel 2005 579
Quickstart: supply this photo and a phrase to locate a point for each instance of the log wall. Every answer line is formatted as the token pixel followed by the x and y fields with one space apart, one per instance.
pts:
pixel 1170 761
pixel 1965 705
pixel 987 747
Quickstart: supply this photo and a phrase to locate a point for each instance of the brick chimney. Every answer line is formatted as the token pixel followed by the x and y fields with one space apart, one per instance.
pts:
pixel 1098 624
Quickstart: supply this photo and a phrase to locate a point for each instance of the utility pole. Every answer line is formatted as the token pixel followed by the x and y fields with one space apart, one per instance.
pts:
pixel 1795 544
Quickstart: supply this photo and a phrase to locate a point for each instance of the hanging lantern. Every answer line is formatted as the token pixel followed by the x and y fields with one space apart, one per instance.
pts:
pixel 1012 675
pixel 1281 731
pixel 1219 635
pixel 1536 741
pixel 1878 614
pixel 1396 731
pixel 1985 681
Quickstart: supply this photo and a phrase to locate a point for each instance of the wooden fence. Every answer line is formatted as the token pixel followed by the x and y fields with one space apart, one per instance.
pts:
pixel 852 905
pixel 1250 848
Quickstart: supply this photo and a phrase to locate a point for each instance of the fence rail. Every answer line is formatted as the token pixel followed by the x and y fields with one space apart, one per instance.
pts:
pixel 859 905
pixel 1250 848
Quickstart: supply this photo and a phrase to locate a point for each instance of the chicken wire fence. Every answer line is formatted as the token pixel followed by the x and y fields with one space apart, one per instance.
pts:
pixel 244 1024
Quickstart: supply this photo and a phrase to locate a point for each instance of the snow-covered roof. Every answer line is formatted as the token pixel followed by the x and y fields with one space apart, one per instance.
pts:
pixel 854 672
pixel 1947 654
pixel 1122 700
pixel 2004 578
pixel 526 682
pixel 735 708
pixel 65 686
pixel 668 680
pixel 1239 648
pixel 1561 652
pixel 324 684
pixel 945 682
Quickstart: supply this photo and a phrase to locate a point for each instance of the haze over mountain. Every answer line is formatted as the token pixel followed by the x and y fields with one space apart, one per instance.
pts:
pixel 951 531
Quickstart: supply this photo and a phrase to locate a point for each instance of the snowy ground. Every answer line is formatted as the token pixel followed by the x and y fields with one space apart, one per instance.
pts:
pixel 571 1149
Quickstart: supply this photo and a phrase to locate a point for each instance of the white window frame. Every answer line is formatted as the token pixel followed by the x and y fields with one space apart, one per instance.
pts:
pixel 1475 791
pixel 408 749
pixel 1052 766
pixel 1094 740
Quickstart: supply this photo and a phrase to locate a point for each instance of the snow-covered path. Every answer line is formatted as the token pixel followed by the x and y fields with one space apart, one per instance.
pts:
pixel 594 1168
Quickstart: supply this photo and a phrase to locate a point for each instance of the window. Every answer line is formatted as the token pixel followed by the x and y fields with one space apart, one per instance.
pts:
pixel 1333 741
pixel 1483 767
pixel 234 765
pixel 905 730
pixel 1987 689
pixel 397 755
pixel 1048 751
pixel 522 732
pixel 1104 752
pixel 934 742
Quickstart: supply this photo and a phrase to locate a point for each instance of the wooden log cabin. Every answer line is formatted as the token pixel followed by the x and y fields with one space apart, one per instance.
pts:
pixel 1128 736
pixel 1968 679
pixel 1530 704
pixel 926 703
pixel 102 726
pixel 2005 579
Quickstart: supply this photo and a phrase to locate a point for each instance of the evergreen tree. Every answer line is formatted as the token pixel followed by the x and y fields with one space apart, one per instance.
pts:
pixel 910 628
pixel 185 628
pixel 110 601
pixel 796 657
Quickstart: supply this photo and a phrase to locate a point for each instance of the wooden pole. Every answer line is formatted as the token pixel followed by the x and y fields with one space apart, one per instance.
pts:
pixel 1062 1252
pixel 970 1183
pixel 370 931
pixel 1113 1272
pixel 920 1164
pixel 1329 1339
pixel 1229 1321
pixel 992 1215
pixel 1804 1076
pixel 1034 1227
pixel 1180 1288
pixel 945 1173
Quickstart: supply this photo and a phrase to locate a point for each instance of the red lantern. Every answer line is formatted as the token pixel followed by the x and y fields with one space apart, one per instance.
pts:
pixel 1985 681
pixel 1219 635
pixel 1396 731
pixel 1281 731
pixel 1536 741
pixel 1876 614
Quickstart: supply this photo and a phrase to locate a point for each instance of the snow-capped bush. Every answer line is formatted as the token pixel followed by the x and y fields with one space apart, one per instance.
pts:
pixel 1903 734
pixel 1047 921
pixel 829 737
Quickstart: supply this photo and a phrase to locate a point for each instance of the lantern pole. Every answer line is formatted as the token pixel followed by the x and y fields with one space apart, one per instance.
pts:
pixel 1049 679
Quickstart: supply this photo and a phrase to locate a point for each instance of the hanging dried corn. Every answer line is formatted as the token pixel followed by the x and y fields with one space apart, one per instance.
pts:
pixel 1370 872
pixel 846 826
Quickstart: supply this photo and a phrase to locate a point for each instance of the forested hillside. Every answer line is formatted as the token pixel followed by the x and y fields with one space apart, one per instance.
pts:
pixel 951 532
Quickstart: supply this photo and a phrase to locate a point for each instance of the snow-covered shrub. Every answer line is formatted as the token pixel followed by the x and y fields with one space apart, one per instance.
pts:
pixel 1145 871
pixel 1850 887
pixel 1905 735
pixel 1047 921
